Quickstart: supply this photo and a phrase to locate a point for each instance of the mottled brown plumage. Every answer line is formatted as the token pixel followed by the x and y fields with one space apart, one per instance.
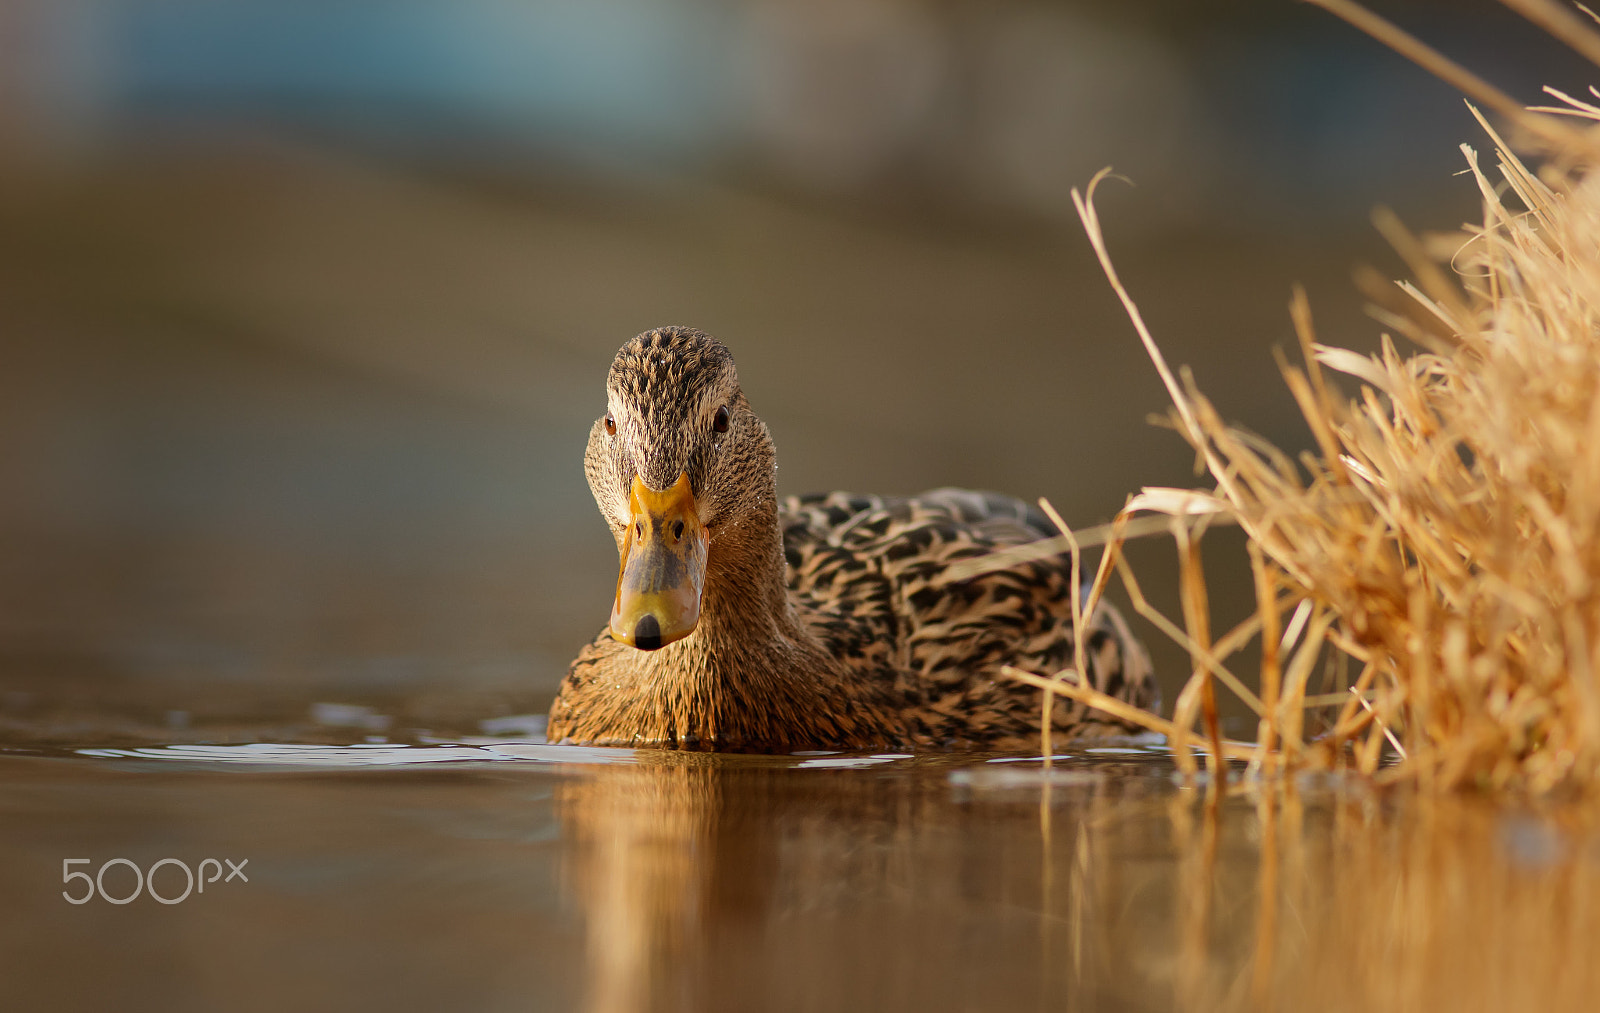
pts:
pixel 824 622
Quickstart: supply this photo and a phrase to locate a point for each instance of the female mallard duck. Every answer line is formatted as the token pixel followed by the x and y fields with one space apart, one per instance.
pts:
pixel 744 624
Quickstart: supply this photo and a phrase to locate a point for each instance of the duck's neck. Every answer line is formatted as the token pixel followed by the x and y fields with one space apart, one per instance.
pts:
pixel 752 675
pixel 746 598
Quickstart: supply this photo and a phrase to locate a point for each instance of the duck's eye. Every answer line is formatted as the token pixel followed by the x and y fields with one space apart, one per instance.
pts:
pixel 720 422
pixel 611 426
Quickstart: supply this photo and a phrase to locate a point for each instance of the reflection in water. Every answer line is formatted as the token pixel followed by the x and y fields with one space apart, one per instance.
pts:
pixel 504 875
pixel 708 885
pixel 725 883
pixel 1362 901
pixel 642 852
pixel 1196 871
pixel 1439 905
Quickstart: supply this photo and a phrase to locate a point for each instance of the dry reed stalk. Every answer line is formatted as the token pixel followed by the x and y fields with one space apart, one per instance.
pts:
pixel 1119 709
pixel 1197 618
pixel 1446 535
pixel 1046 722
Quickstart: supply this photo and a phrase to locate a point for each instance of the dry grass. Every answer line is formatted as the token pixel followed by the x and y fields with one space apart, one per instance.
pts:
pixel 1445 536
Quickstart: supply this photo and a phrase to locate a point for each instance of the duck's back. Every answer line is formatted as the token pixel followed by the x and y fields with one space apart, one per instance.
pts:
pixel 870 571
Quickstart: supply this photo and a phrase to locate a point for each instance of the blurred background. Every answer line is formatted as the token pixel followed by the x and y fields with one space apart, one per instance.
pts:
pixel 306 307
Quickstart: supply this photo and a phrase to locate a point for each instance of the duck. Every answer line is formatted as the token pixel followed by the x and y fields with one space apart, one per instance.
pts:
pixel 743 622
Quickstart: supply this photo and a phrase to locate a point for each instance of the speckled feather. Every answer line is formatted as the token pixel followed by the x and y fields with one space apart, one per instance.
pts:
pixel 875 567
pixel 825 621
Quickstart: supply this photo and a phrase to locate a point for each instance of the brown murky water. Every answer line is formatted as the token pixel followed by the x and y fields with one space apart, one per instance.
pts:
pixel 499 874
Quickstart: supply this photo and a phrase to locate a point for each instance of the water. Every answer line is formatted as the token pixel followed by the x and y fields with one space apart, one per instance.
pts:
pixel 502 874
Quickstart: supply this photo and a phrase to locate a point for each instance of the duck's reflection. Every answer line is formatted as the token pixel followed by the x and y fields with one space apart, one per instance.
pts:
pixel 640 853
pixel 709 883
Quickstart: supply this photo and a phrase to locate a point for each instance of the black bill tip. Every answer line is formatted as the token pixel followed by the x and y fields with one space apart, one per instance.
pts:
pixel 647 635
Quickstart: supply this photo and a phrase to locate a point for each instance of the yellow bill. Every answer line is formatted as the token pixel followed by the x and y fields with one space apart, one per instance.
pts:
pixel 663 567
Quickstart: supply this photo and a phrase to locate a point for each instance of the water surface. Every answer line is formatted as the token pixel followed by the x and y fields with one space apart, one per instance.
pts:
pixel 499 874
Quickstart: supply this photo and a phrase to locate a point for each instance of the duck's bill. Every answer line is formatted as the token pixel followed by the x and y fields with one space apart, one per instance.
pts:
pixel 663 569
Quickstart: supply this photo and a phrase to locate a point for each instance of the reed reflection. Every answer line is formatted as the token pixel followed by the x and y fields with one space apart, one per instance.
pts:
pixel 1399 902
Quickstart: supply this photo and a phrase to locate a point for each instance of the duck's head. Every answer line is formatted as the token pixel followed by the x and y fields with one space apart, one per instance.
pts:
pixel 677 458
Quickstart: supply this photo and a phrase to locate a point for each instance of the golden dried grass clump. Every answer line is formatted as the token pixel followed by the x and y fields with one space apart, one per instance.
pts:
pixel 1446 533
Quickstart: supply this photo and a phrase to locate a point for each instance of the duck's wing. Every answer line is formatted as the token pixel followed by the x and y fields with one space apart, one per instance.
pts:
pixel 842 518
pixel 880 562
